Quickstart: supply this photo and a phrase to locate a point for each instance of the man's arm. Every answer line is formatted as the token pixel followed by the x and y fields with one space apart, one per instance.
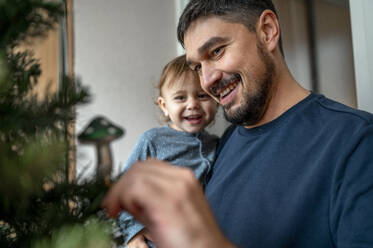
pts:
pixel 169 201
pixel 351 205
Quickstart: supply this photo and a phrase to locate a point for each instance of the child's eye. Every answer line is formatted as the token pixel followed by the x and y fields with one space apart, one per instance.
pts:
pixel 203 96
pixel 179 98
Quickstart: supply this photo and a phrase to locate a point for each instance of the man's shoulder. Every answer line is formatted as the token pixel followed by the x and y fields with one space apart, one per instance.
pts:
pixel 333 111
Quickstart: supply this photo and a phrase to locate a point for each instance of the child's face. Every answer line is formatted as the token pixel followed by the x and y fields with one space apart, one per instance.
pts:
pixel 186 104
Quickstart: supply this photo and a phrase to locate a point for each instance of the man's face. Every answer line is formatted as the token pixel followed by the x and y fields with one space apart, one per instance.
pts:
pixel 233 66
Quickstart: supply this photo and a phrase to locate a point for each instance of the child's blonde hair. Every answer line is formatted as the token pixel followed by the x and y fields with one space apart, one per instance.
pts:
pixel 173 70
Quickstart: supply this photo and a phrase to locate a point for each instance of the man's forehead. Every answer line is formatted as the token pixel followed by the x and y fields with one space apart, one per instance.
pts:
pixel 204 33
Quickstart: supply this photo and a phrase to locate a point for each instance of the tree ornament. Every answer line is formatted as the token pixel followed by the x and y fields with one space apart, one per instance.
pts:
pixel 101 132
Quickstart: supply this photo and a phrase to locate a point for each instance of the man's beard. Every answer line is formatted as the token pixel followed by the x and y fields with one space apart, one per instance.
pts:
pixel 254 105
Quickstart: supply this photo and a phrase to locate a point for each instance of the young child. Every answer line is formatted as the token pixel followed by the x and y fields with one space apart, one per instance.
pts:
pixel 183 142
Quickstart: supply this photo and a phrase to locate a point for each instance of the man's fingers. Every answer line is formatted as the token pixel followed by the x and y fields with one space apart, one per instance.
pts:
pixel 112 203
pixel 168 200
pixel 142 181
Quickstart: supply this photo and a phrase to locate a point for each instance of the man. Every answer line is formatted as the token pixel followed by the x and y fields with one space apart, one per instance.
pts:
pixel 295 169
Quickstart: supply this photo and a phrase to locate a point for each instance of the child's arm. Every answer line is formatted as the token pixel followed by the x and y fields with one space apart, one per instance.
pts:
pixel 142 150
pixel 129 226
pixel 139 240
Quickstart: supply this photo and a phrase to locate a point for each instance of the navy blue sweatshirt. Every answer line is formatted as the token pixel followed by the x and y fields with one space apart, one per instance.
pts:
pixel 304 180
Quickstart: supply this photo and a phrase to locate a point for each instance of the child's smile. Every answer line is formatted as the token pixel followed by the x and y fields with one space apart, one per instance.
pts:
pixel 194 119
pixel 186 104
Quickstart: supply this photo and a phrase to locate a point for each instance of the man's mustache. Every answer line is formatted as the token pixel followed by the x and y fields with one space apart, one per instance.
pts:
pixel 223 83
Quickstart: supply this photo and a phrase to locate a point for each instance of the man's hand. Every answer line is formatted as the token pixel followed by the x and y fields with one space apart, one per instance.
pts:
pixel 169 201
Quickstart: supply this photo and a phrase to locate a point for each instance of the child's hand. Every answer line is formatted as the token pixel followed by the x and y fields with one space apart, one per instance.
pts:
pixel 139 240
pixel 146 234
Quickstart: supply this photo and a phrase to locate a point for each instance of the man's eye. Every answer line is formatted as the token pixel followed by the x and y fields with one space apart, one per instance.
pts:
pixel 217 51
pixel 197 68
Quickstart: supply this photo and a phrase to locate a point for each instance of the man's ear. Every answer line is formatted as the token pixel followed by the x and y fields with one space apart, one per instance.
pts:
pixel 162 105
pixel 268 30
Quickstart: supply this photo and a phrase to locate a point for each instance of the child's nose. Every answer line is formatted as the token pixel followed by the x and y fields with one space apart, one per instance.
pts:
pixel 193 103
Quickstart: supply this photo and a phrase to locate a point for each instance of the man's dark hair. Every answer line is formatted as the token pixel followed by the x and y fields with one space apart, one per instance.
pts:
pixel 246 12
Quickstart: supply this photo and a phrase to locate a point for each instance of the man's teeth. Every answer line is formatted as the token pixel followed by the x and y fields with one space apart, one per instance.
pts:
pixel 227 90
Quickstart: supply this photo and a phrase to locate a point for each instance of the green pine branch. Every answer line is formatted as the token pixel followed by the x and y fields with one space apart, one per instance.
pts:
pixel 22 19
pixel 38 206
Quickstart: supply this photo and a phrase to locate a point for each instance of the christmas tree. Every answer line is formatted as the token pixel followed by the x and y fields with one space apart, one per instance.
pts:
pixel 39 207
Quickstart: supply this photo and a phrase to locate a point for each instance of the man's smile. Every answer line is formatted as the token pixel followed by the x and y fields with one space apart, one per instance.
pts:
pixel 224 87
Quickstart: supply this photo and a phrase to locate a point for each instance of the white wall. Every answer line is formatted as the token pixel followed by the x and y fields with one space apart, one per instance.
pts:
pixel 362 20
pixel 334 46
pixel 120 49
pixel 335 56
pixel 180 5
pixel 294 33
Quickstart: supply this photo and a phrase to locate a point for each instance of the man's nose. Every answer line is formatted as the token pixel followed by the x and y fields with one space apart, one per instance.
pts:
pixel 209 76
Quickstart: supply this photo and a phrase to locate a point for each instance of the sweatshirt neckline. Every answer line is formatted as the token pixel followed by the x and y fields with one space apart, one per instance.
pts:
pixel 259 130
